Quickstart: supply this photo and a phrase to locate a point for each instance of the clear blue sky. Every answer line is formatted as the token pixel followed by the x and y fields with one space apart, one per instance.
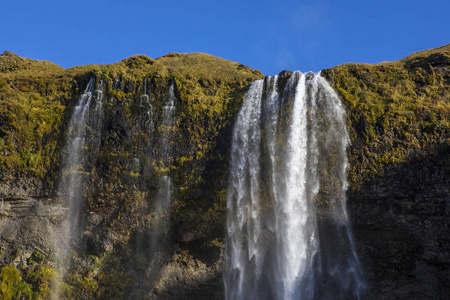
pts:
pixel 294 35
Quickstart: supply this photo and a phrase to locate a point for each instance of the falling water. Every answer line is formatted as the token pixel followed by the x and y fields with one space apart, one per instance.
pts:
pixel 83 132
pixel 288 230
pixel 169 108
pixel 83 126
pixel 164 195
pixel 164 198
pixel 146 109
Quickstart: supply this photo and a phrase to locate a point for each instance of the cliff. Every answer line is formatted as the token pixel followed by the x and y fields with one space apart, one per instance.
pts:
pixel 398 116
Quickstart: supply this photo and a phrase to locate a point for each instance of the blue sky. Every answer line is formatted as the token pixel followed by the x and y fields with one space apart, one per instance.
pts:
pixel 297 35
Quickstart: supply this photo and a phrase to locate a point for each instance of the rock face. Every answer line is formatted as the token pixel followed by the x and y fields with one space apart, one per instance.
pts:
pixel 401 222
pixel 28 224
pixel 399 198
pixel 400 169
pixel 130 155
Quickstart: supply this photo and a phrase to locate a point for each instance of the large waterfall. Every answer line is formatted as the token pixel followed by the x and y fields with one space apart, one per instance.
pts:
pixel 288 229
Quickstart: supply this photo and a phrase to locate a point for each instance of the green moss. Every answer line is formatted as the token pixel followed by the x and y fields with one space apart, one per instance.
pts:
pixel 43 281
pixel 80 287
pixel 394 109
pixel 12 285
pixel 36 257
pixel 207 68
pixel 350 99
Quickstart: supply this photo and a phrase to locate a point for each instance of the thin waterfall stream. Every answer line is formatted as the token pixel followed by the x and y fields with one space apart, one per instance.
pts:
pixel 83 132
pixel 164 197
pixel 146 108
pixel 288 233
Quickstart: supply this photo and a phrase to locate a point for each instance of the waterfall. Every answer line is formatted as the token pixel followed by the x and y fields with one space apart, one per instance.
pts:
pixel 288 234
pixel 83 133
pixel 163 202
pixel 164 198
pixel 146 109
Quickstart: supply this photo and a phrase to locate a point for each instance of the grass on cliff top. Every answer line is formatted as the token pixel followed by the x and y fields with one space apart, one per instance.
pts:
pixel 444 50
pixel 199 66
pixel 416 58
pixel 205 66
pixel 12 63
pixel 395 109
pixel 34 95
pixel 195 65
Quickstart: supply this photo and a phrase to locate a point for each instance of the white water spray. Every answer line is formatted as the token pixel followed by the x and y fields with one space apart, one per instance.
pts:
pixel 83 133
pixel 160 227
pixel 164 197
pixel 146 109
pixel 288 232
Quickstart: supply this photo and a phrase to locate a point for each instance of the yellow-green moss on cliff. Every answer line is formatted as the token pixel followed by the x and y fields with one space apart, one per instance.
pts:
pixel 34 95
pixel 396 110
pixel 121 175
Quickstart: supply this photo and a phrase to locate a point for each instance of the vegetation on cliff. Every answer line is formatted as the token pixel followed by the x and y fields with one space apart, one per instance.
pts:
pixel 398 114
pixel 34 96
pixel 397 111
pixel 121 173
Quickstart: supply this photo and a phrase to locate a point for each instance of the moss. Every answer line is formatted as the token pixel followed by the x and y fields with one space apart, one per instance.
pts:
pixel 36 257
pixel 350 99
pixel 36 100
pixel 12 285
pixel 394 109
pixel 80 287
pixel 43 281
pixel 208 68
pixel 34 96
